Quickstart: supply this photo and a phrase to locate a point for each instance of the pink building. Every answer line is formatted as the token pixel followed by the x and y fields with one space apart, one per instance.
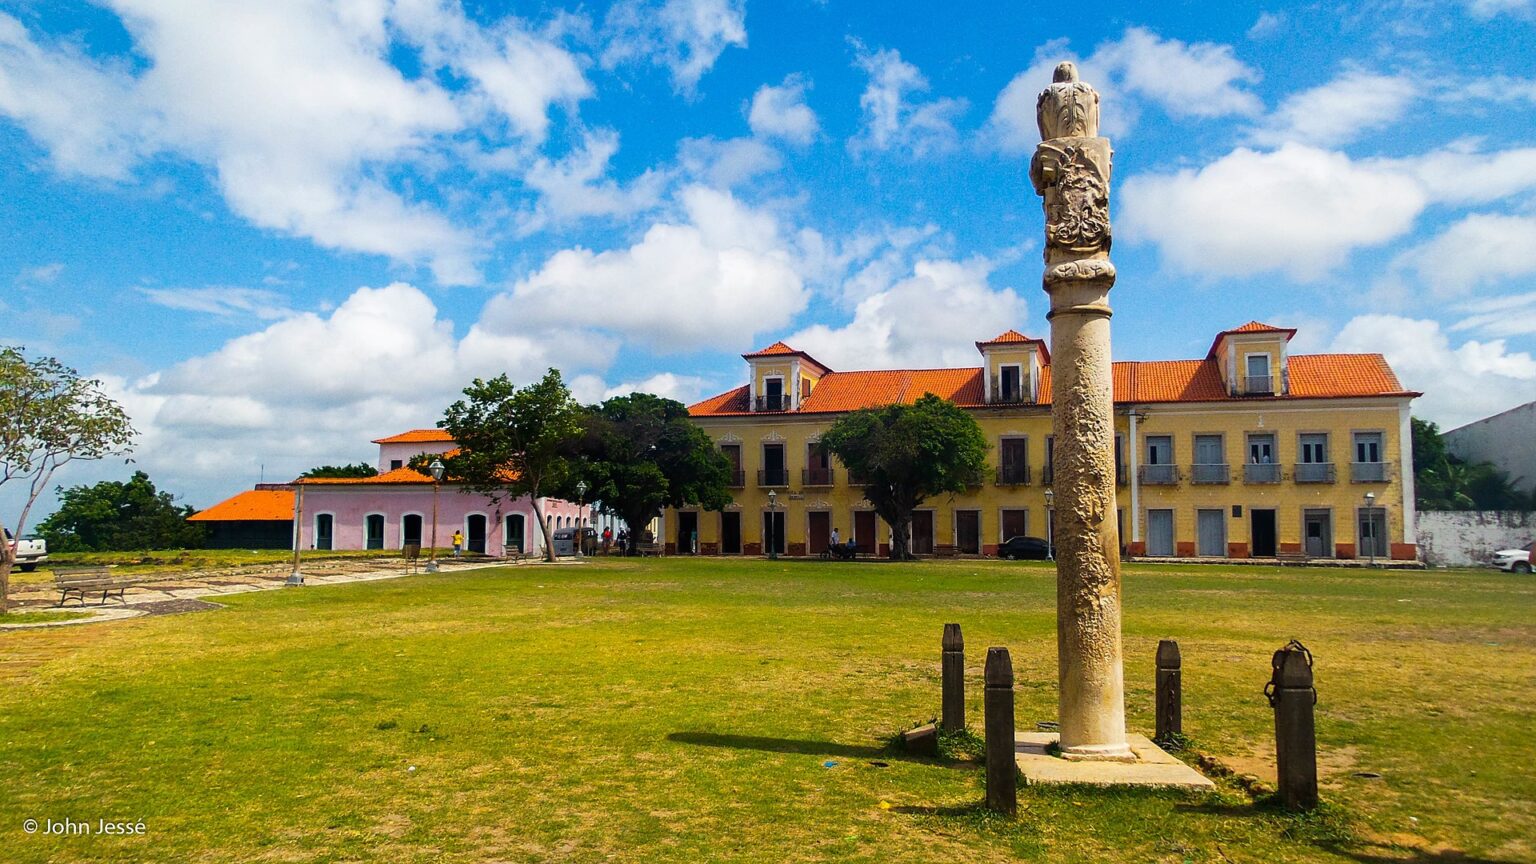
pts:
pixel 394 509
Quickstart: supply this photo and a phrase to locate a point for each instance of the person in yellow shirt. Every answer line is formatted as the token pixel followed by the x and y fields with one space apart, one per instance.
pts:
pixel 458 543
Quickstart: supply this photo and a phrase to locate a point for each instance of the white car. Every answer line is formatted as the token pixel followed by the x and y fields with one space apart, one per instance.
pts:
pixel 30 551
pixel 1513 560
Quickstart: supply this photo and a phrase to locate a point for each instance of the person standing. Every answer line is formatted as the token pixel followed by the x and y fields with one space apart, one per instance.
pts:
pixel 835 538
pixel 607 538
pixel 458 542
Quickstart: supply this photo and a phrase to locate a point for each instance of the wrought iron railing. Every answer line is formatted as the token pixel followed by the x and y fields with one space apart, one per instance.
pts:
pixel 1013 475
pixel 1313 472
pixel 772 477
pixel 1369 472
pixel 816 477
pixel 1159 475
pixel 1210 472
pixel 1261 472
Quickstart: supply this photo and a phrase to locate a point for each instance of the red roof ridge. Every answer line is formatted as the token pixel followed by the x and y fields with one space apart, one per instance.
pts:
pixel 782 349
pixel 1250 327
pixel 416 436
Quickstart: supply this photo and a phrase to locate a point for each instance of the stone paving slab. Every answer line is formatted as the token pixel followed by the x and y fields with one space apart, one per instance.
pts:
pixel 1153 766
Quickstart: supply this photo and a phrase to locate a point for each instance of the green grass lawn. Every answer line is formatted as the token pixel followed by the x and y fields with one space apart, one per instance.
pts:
pixel 682 711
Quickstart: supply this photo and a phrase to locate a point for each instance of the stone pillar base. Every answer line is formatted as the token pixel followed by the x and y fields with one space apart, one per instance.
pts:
pixel 1098 753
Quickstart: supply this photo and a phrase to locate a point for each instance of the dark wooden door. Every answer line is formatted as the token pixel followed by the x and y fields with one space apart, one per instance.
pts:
pixel 968 531
pixel 864 535
pixel 1015 523
pixel 821 531
pixel 922 532
pixel 730 533
pixel 475 542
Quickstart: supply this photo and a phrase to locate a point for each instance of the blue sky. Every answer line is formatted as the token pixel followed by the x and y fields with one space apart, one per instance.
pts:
pixel 278 230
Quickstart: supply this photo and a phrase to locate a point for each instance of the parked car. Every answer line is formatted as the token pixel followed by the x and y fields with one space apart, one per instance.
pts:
pixel 30 551
pixel 1018 548
pixel 1514 560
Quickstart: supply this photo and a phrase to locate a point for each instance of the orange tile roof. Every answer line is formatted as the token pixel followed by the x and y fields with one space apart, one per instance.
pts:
pixel 256 505
pixel 1250 327
pixel 1014 337
pixel 417 436
pixel 1314 376
pixel 779 349
pixel 397 476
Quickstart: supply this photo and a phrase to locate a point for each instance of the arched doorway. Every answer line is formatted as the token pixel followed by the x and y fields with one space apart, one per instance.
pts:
pixel 474 528
pixel 410 530
pixel 515 541
pixel 373 531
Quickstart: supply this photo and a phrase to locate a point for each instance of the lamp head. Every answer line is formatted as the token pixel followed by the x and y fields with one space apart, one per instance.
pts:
pixel 773 499
pixel 437 470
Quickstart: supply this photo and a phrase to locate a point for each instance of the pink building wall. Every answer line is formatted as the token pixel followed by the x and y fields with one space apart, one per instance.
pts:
pixel 404 453
pixel 349 505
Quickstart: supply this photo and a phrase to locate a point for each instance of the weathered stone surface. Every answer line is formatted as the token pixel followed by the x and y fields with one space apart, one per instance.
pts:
pixel 997 709
pixel 1292 696
pixel 922 741
pixel 1170 691
pixel 1071 172
pixel 1148 766
pixel 952 669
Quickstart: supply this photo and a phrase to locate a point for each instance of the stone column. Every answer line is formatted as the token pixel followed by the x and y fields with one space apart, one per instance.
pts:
pixel 1071 171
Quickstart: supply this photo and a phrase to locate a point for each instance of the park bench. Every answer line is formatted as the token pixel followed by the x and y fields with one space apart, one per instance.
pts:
pixel 648 549
pixel 1292 557
pixel 79 580
pixel 946 550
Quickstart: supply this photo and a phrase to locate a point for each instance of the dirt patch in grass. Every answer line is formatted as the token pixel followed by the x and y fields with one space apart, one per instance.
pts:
pixel 174 607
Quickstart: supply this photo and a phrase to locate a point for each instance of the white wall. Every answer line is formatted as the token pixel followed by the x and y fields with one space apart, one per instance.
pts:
pixel 1468 538
pixel 1507 440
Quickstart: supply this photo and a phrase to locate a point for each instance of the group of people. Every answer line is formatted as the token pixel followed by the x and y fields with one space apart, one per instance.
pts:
pixel 609 540
pixel 838 549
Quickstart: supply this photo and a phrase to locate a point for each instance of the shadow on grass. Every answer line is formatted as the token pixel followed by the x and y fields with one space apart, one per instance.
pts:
pixel 803 747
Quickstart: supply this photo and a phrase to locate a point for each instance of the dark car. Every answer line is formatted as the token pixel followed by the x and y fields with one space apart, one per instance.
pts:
pixel 1024 547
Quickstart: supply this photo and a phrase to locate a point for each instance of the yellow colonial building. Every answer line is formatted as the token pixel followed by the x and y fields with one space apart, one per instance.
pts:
pixel 1248 452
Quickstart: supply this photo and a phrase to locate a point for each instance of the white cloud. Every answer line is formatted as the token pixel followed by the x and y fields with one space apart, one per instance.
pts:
pixel 1267 25
pixel 723 164
pixel 1200 80
pixel 1340 111
pixel 929 318
pixel 686 36
pixel 781 112
pixel 892 119
pixel 1297 209
pixel 683 388
pixel 1463 174
pixel 520 73
pixel 1514 315
pixel 1460 384
pixel 578 187
pixel 39 275
pixel 86 114
pixel 717 280
pixel 1492 8
pixel 1479 249
pixel 298 110
pixel 223 301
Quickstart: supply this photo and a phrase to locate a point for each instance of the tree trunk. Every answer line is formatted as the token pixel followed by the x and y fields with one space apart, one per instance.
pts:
pixel 901 545
pixel 643 519
pixel 538 516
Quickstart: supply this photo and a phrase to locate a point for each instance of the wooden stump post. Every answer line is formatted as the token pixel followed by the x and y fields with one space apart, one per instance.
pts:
pixel 953 718
pixel 1170 708
pixel 1291 694
pixel 997 705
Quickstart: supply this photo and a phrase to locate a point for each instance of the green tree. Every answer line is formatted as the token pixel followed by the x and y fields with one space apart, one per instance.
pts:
pixel 1443 481
pixel 49 417
pixel 906 454
pixel 111 516
pixel 360 469
pixel 640 454
pixel 513 441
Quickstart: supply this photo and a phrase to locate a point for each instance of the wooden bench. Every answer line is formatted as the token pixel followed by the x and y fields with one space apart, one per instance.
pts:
pixel 79 580
pixel 649 549
pixel 1292 557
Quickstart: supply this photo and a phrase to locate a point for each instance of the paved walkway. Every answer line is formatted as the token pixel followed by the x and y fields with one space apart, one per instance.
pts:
pixel 159 595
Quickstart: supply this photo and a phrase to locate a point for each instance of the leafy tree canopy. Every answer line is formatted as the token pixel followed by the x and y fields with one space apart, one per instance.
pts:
pixel 641 453
pixel 1443 481
pixel 49 417
pixel 359 469
pixel 111 516
pixel 513 441
pixel 905 454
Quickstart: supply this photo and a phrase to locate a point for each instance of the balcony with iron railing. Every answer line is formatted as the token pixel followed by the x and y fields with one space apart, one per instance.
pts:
pixel 1013 475
pixel 816 477
pixel 1120 474
pixel 1369 472
pixel 1159 475
pixel 773 477
pixel 1259 385
pixel 1261 472
pixel 1313 472
pixel 738 479
pixel 1210 472
pixel 773 403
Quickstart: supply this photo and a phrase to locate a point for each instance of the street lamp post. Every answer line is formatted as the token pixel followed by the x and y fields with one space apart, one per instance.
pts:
pixel 581 517
pixel 437 481
pixel 773 525
pixel 1050 525
pixel 1370 525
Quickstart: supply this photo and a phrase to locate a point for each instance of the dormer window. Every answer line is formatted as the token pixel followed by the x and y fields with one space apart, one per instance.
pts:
pixel 1011 384
pixel 1258 380
pixel 773 394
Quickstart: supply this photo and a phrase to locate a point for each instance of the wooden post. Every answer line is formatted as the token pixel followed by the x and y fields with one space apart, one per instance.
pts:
pixel 997 706
pixel 954 679
pixel 1170 709
pixel 1291 693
